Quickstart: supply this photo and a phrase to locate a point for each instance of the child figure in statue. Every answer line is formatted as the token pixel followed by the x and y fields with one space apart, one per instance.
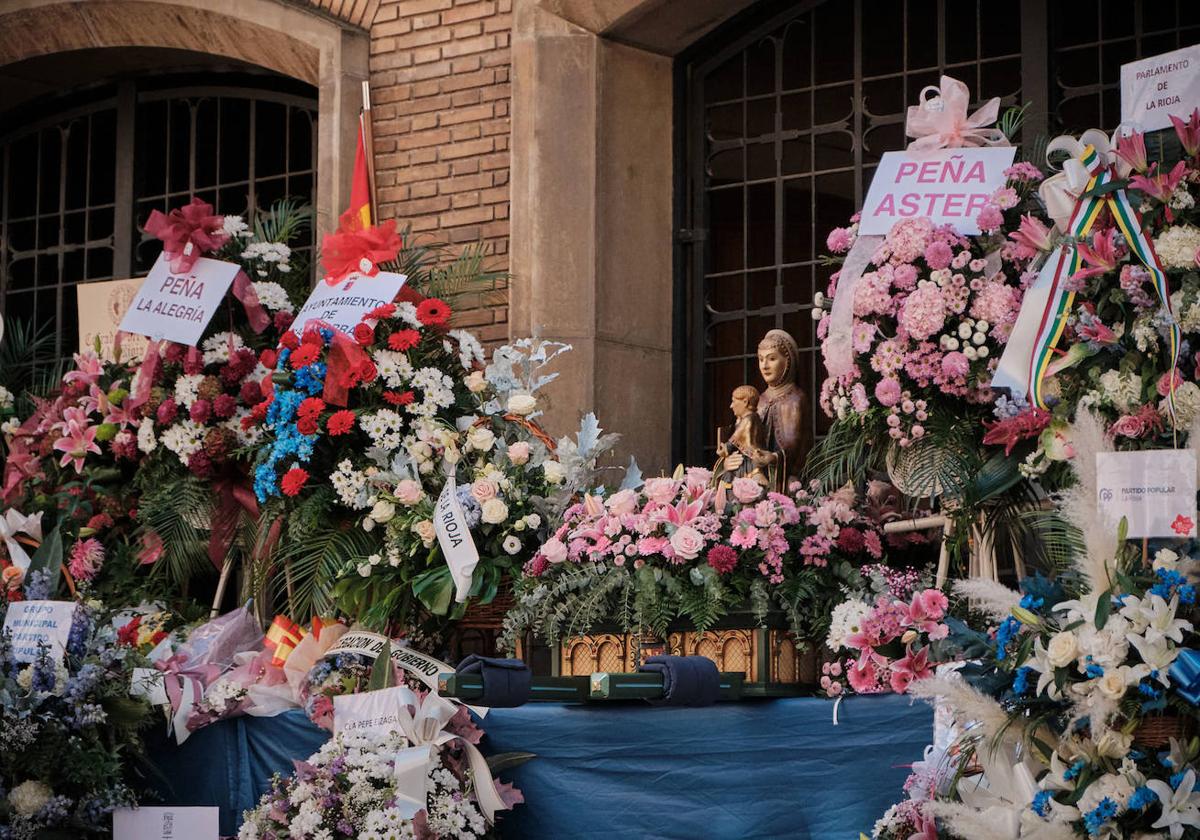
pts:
pixel 748 438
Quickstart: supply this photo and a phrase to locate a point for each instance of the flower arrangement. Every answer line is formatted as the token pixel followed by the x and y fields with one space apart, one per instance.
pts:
pixel 1116 353
pixel 1079 699
pixel 351 788
pixel 676 548
pixel 886 642
pixel 69 732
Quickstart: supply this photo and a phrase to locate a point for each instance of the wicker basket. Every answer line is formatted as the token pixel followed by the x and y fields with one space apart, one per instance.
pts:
pixel 1157 731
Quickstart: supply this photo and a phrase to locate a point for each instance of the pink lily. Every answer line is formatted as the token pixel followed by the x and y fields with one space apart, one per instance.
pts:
pixel 88 368
pixel 1132 150
pixel 1101 255
pixel 1032 235
pixel 77 441
pixel 682 512
pixel 1188 132
pixel 911 667
pixel 593 505
pixel 926 829
pixel 1160 186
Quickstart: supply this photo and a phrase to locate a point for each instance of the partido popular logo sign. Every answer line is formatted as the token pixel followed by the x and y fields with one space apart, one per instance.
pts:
pixel 947 186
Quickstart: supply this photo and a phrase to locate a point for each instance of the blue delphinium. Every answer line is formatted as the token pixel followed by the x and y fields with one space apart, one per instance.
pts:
pixel 38 586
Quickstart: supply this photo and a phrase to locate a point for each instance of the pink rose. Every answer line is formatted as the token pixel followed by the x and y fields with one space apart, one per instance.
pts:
pixel 746 490
pixel 1164 383
pixel 661 490
pixel 554 550
pixel 518 452
pixel 622 502
pixel 687 542
pixel 408 492
pixel 1129 425
pixel 483 490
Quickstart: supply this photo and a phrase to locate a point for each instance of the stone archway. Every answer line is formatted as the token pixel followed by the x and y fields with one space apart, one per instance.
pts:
pixel 294 40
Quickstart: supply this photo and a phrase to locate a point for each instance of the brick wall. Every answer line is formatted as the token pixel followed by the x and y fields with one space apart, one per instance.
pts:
pixel 440 92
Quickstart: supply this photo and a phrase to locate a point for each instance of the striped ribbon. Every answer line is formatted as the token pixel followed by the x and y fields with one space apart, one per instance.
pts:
pixel 1058 306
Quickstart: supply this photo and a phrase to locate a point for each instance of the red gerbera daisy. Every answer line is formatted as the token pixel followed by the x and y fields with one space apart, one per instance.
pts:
pixel 393 398
pixel 402 340
pixel 340 422
pixel 307 425
pixel 311 407
pixel 380 312
pixel 433 312
pixel 304 355
pixel 293 481
pixel 289 340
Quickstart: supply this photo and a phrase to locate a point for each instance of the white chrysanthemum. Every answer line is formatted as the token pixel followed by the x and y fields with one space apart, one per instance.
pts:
pixel 437 391
pixel 247 435
pixel 273 296
pixel 846 619
pixel 393 367
pixel 1177 246
pixel 187 389
pixel 218 348
pixel 145 437
pixel 407 313
pixel 268 252
pixel 235 227
pixel 383 428
pixel 350 486
pixel 6 398
pixel 470 350
pixel 185 438
pixel 1181 199
pixel 28 797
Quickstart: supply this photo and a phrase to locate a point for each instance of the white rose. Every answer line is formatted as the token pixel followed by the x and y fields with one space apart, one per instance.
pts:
pixel 424 530
pixel 1166 559
pixel 475 381
pixel 519 452
pixel 512 545
pixel 481 438
pixel 364 569
pixel 1114 744
pixel 522 404
pixel 494 511
pixel 29 797
pixel 1112 684
pixel 555 472
pixel 368 524
pixel 533 520
pixel 383 511
pixel 1063 649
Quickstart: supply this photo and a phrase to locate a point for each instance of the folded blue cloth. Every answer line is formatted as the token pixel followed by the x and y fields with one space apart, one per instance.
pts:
pixel 687 680
pixel 505 681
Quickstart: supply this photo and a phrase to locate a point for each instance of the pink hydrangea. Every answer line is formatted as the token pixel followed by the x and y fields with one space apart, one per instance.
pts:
pixel 871 295
pixel 904 277
pixel 1023 171
pixel 938 255
pixel 924 312
pixel 907 239
pixel 990 219
pixel 996 303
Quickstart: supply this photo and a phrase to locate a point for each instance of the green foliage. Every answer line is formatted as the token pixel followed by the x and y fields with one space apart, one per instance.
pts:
pixel 435 270
pixel 844 455
pixel 177 506
pixel 28 367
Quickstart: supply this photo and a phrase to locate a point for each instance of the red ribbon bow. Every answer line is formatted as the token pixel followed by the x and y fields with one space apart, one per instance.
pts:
pixel 355 248
pixel 187 233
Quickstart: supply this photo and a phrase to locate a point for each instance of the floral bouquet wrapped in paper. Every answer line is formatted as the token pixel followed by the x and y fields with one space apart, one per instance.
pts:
pixel 71 734
pixel 676 548
pixel 425 779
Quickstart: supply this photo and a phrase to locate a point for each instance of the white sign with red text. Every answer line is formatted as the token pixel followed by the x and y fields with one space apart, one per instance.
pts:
pixel 1153 89
pixel 948 186
pixel 178 307
pixel 343 304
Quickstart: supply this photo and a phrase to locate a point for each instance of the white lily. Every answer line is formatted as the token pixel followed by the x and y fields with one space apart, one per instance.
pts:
pixel 1080 609
pixel 1180 807
pixel 1155 618
pixel 1157 654
pixel 1040 662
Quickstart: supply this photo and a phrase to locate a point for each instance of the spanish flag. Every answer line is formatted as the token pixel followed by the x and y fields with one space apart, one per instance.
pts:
pixel 360 187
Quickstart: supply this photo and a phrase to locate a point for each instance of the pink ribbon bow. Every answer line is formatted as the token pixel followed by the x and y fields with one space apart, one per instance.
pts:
pixel 178 676
pixel 187 233
pixel 941 122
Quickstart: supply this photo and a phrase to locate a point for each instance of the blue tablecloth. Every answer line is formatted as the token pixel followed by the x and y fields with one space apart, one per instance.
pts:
pixel 765 769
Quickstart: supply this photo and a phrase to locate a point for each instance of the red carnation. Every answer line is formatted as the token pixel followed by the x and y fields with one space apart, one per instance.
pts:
pixel 167 409
pixel 289 341
pixel 433 312
pixel 224 406
pixel 850 540
pixel 340 422
pixel 364 334
pixel 367 372
pixel 307 425
pixel 380 312
pixel 201 410
pixel 283 320
pixel 393 398
pixel 259 412
pixel 293 481
pixel 200 464
pixel 722 558
pixel 128 634
pixel 174 352
pixel 250 393
pixel 311 407
pixel 304 355
pixel 268 358
pixel 402 340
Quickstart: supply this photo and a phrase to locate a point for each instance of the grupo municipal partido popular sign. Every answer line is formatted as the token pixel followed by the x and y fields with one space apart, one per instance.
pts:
pixel 179 306
pixel 948 186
